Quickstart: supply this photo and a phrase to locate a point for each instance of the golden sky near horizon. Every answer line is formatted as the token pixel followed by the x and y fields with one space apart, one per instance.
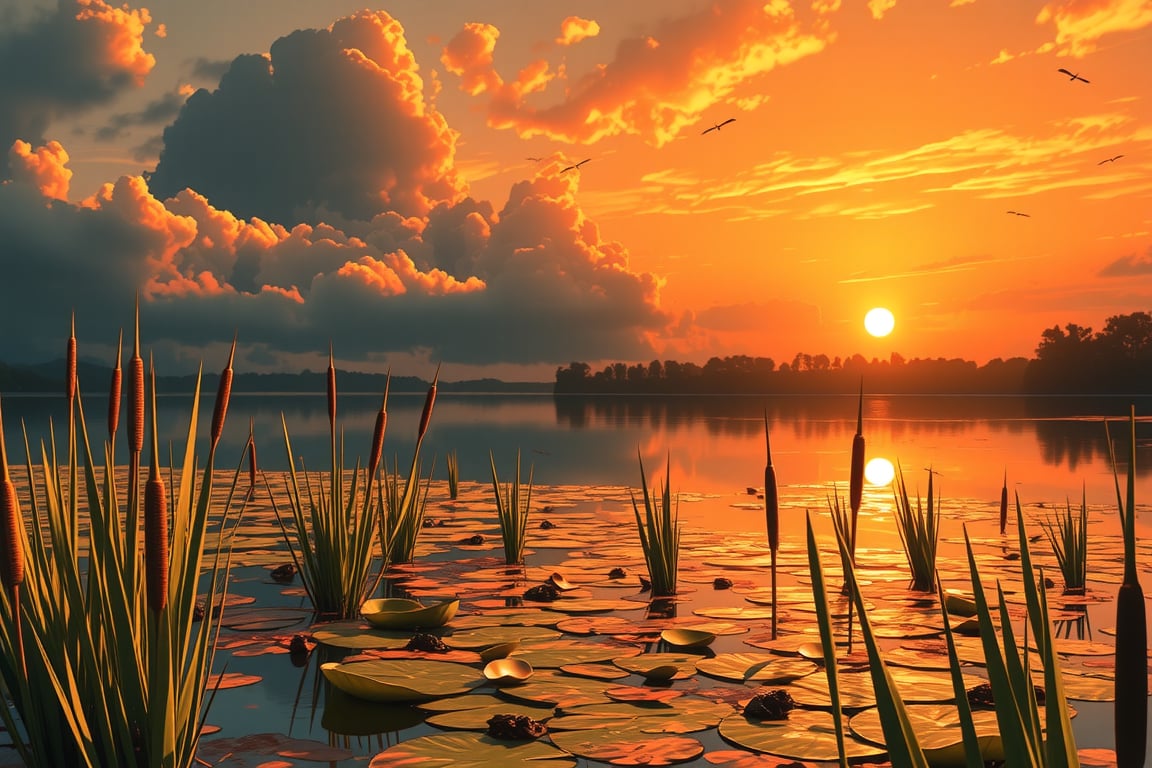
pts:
pixel 392 178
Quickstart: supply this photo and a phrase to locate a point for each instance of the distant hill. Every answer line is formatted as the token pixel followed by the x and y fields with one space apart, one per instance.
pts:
pixel 49 377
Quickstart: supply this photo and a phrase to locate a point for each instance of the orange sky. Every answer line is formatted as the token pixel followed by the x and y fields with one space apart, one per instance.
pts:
pixel 374 174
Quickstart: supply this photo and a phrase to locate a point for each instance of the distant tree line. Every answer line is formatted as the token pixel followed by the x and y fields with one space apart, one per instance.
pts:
pixel 1115 360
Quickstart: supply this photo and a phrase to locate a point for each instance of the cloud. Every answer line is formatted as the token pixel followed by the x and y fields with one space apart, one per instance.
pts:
pixel 880 7
pixel 331 121
pixel 1127 266
pixel 42 169
pixel 657 84
pixel 531 283
pixel 209 69
pixel 61 62
pixel 468 55
pixel 1081 23
pixel 574 29
pixel 157 112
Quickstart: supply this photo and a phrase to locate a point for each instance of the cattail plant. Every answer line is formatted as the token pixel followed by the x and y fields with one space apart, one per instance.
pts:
pixel 1131 709
pixel 331 393
pixel 659 531
pixel 856 472
pixel 378 431
pixel 114 391
pixel 919 529
pixel 1004 504
pixel 429 401
pixel 251 445
pixel 223 394
pixel 136 382
pixel 155 521
pixel 403 511
pixel 11 544
pixel 771 515
pixel 512 510
pixel 70 368
pixel 1068 534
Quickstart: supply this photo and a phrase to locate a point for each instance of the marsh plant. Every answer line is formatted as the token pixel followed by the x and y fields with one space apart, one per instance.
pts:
pixel 333 524
pixel 402 511
pixel 919 528
pixel 453 475
pixel 1068 534
pixel 512 504
pixel 103 660
pixel 659 530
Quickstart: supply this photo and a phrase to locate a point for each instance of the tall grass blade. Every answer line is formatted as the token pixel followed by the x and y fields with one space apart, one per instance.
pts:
pixel 512 509
pixel 771 515
pixel 919 529
pixel 659 531
pixel 827 640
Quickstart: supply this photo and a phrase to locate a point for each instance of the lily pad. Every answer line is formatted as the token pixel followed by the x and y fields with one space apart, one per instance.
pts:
pixel 476 718
pixel 937 728
pixel 804 735
pixel 561 652
pixel 353 634
pixel 628 746
pixel 389 680
pixel 401 613
pixel 464 749
pixel 683 637
pixel 678 666
pixel 486 637
pixel 507 671
pixel 764 668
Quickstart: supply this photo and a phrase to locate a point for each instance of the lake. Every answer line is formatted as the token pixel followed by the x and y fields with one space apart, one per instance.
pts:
pixel 584 454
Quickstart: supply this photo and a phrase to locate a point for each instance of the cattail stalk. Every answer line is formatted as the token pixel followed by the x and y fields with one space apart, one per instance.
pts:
pixel 331 393
pixel 11 547
pixel 136 382
pixel 251 457
pixel 856 475
pixel 70 368
pixel 223 392
pixel 378 435
pixel 429 401
pixel 1004 504
pixel 155 523
pixel 114 391
pixel 771 515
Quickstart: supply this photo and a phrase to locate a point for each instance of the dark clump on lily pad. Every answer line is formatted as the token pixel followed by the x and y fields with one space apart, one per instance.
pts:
pixel 544 593
pixel 515 728
pixel 617 573
pixel 721 582
pixel 770 705
pixel 422 641
pixel 284 573
pixel 547 525
pixel 980 696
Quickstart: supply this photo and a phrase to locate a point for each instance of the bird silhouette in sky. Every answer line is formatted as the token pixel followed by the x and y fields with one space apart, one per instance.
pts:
pixel 1018 213
pixel 575 167
pixel 534 159
pixel 718 126
pixel 1110 160
pixel 1072 75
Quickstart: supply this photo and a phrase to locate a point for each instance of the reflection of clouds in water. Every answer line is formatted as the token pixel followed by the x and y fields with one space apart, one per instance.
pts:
pixel 879 472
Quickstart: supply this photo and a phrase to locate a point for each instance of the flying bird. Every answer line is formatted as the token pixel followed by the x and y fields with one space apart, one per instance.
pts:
pixel 534 159
pixel 1072 75
pixel 575 167
pixel 718 126
pixel 1110 160
pixel 1018 213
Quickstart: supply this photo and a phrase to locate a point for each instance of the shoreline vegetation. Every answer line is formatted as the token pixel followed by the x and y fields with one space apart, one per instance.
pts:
pixel 1069 361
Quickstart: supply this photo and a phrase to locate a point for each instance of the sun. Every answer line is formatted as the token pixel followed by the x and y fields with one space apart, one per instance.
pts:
pixel 879 471
pixel 879 322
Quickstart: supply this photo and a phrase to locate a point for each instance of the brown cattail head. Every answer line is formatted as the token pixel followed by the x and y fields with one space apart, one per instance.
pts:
pixel 114 390
pixel 70 366
pixel 856 474
pixel 429 401
pixel 223 392
pixel 331 391
pixel 378 431
pixel 771 498
pixel 252 452
pixel 11 549
pixel 155 523
pixel 136 382
pixel 1004 503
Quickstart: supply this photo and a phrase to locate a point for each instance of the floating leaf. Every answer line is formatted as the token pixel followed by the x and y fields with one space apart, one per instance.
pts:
pixel 400 613
pixel 486 637
pixel 394 681
pixel 765 668
pixel 683 637
pixel 354 634
pixel 476 718
pixel 628 747
pixel 937 728
pixel 681 665
pixel 560 652
pixel 464 749
pixel 804 735
pixel 507 671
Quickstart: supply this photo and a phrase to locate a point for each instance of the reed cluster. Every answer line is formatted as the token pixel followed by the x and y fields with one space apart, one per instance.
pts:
pixel 333 525
pixel 402 510
pixel 101 656
pixel 453 475
pixel 919 529
pixel 659 530
pixel 512 508
pixel 1068 534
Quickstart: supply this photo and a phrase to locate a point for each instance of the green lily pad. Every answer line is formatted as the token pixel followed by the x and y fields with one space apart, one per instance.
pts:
pixel 486 637
pixel 593 605
pixel 683 637
pixel 681 714
pixel 803 735
pixel 554 688
pixel 561 652
pixel 595 670
pixel 683 665
pixel 353 634
pixel 937 728
pixel 764 668
pixel 476 718
pixel 507 671
pixel 401 613
pixel 628 746
pixel 465 749
pixel 387 680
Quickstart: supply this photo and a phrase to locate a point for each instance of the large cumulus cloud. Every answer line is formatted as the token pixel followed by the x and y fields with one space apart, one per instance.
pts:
pixel 331 121
pixel 59 63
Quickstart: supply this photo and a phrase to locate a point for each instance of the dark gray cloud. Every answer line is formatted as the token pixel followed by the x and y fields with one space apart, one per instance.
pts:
pixel 68 60
pixel 332 120
pixel 157 112
pixel 210 70
pixel 1127 266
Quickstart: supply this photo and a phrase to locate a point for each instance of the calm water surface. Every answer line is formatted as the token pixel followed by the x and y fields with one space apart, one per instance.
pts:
pixel 1050 449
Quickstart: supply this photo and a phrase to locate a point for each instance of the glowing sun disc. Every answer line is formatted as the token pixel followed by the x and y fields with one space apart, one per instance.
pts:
pixel 879 322
pixel 879 472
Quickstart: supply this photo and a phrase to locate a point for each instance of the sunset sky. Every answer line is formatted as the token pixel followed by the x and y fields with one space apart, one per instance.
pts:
pixel 389 178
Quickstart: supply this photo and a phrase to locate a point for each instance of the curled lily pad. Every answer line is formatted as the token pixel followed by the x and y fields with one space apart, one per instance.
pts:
pixel 499 651
pixel 561 583
pixel 507 671
pixel 465 749
pixel 401 613
pixel 687 638
pixel 388 680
